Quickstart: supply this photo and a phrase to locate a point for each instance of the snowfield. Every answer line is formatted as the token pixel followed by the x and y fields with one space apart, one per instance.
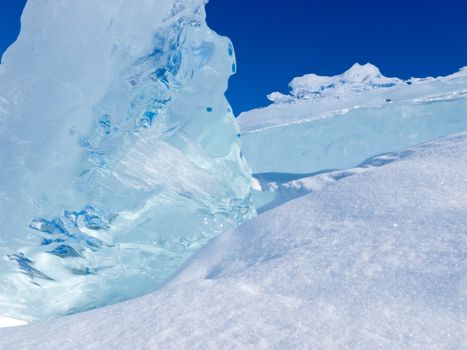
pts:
pixel 375 260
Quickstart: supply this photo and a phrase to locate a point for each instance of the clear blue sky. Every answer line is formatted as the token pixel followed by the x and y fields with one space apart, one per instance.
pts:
pixel 276 40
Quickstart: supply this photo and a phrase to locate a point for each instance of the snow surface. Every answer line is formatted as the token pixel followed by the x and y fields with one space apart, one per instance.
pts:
pixel 376 260
pixel 273 189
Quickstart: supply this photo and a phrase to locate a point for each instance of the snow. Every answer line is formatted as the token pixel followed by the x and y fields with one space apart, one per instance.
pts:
pixel 375 260
pixel 273 189
pixel 10 322
pixel 358 79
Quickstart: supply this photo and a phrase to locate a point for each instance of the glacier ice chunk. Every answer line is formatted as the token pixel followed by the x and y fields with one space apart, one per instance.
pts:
pixel 119 152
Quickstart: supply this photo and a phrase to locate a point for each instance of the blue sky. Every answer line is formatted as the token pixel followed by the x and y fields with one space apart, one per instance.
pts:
pixel 10 12
pixel 276 40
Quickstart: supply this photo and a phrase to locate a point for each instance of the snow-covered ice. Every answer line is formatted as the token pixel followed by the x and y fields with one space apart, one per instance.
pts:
pixel 376 260
pixel 338 122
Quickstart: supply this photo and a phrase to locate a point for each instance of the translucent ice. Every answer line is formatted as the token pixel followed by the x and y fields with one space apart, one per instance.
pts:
pixel 338 122
pixel 119 152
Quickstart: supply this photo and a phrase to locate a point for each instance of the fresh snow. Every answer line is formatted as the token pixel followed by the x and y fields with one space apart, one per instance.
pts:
pixel 376 260
pixel 358 79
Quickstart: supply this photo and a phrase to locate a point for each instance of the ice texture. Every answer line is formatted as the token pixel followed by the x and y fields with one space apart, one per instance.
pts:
pixel 119 152
pixel 376 260
pixel 337 122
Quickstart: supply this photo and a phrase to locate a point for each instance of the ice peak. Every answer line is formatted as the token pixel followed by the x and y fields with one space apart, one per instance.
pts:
pixel 362 72
pixel 357 79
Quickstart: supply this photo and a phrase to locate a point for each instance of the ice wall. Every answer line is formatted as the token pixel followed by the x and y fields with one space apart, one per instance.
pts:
pixel 338 122
pixel 119 152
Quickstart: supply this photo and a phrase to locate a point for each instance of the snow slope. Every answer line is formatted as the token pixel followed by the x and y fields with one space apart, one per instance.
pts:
pixel 376 260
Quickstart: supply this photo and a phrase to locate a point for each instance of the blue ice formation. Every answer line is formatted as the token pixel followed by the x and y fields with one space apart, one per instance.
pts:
pixel 119 152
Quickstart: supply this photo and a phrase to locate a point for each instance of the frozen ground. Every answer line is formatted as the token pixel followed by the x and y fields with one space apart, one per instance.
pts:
pixel 376 260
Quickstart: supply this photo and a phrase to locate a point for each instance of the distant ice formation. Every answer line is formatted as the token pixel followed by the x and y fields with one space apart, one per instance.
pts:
pixel 337 122
pixel 358 79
